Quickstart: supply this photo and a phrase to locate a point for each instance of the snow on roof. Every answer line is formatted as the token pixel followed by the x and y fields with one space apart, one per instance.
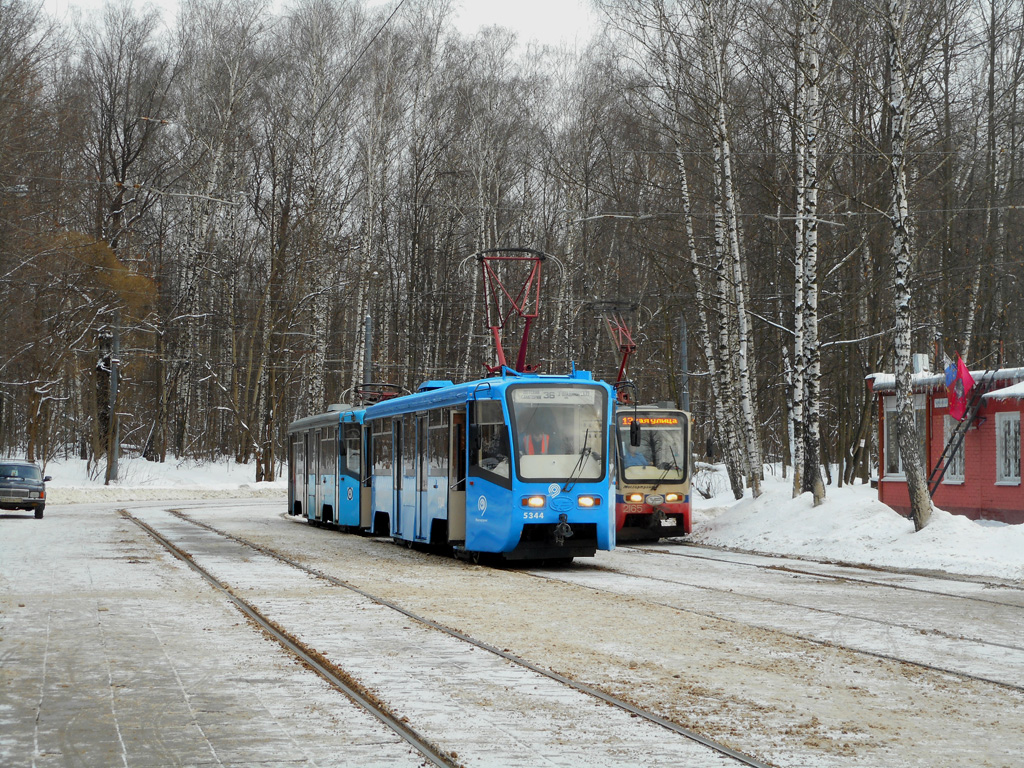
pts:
pixel 927 382
pixel 1015 392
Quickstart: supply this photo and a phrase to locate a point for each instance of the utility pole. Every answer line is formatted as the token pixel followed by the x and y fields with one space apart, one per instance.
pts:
pixel 114 434
pixel 367 350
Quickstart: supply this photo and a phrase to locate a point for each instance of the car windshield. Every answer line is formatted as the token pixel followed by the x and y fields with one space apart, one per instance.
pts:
pixel 559 431
pixel 661 455
pixel 19 471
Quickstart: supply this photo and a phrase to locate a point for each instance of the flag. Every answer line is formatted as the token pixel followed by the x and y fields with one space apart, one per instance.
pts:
pixel 950 368
pixel 960 390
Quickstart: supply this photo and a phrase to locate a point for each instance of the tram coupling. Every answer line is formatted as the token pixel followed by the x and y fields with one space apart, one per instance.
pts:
pixel 563 530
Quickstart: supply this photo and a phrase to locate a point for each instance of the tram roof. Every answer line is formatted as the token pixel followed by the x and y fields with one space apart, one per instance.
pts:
pixel 455 394
pixel 337 415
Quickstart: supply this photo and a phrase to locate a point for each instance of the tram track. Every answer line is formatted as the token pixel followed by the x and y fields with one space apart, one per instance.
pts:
pixel 729 593
pixel 292 645
pixel 838 614
pixel 313 661
pixel 845 577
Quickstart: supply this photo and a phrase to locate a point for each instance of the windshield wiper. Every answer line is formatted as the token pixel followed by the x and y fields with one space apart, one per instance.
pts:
pixel 584 452
pixel 674 465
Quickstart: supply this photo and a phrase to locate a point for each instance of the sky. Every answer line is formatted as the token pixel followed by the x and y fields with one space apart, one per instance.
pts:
pixel 851 527
pixel 549 22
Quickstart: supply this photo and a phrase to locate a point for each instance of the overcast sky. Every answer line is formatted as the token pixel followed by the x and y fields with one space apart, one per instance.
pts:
pixel 547 21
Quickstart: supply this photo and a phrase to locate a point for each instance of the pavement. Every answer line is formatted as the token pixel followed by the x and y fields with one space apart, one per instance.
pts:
pixel 113 653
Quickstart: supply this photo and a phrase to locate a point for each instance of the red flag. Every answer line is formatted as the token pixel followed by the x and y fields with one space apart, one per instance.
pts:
pixel 960 390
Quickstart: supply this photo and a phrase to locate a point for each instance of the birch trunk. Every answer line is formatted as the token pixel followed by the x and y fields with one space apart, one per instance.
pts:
pixel 700 296
pixel 799 310
pixel 913 466
pixel 735 458
pixel 813 39
pixel 715 54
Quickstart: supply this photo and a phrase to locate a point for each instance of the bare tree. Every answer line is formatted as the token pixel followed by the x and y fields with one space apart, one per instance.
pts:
pixel 902 254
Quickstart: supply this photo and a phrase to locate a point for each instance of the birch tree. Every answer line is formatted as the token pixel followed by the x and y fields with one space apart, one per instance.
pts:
pixel 902 256
pixel 717 20
pixel 811 25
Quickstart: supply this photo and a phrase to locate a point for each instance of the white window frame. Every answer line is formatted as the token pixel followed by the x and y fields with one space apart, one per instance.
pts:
pixel 921 415
pixel 957 466
pixel 1007 425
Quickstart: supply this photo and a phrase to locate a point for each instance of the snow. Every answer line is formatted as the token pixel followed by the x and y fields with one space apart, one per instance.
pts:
pixel 1015 392
pixel 852 527
pixel 140 480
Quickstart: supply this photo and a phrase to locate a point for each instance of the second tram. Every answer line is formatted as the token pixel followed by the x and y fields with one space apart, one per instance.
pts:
pixel 652 495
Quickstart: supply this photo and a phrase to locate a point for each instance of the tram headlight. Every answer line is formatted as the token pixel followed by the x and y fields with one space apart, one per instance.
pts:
pixel 534 502
pixel 635 498
pixel 669 497
pixel 588 501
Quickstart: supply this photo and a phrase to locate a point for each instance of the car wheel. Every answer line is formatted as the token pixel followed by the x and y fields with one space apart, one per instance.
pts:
pixel 39 513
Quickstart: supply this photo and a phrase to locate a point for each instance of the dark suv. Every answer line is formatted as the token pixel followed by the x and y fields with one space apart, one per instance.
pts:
pixel 22 486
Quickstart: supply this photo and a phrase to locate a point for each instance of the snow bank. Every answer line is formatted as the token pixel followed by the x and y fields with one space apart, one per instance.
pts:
pixel 141 480
pixel 853 527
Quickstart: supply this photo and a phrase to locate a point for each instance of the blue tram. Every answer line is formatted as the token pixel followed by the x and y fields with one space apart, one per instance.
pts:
pixel 515 465
pixel 326 472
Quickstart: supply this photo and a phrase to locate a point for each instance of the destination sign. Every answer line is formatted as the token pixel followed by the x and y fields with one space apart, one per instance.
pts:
pixel 649 421
pixel 554 396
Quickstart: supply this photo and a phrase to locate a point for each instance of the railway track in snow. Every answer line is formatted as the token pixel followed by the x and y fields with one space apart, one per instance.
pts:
pixel 913 622
pixel 964 588
pixel 406 668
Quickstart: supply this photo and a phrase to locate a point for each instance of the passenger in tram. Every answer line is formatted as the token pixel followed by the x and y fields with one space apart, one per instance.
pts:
pixel 634 457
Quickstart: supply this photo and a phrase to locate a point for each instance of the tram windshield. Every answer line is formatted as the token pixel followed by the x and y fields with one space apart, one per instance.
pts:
pixel 559 431
pixel 661 455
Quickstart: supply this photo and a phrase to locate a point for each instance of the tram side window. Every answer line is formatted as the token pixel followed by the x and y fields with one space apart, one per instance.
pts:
pixel 437 444
pixel 300 458
pixel 489 454
pixel 437 452
pixel 409 446
pixel 382 443
pixel 351 451
pixel 328 458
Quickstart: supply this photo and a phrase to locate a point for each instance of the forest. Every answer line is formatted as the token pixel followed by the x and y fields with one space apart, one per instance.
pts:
pixel 198 212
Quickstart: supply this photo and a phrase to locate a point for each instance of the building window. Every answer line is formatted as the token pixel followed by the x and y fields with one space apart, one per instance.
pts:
pixel 955 467
pixel 1008 448
pixel 893 459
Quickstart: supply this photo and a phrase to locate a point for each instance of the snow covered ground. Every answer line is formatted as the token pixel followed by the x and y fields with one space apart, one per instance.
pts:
pixel 852 527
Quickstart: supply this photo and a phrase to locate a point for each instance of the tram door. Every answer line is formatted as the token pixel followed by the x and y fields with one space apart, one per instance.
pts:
pixel 305 489
pixel 294 472
pixel 399 472
pixel 422 532
pixel 314 467
pixel 457 477
pixel 365 487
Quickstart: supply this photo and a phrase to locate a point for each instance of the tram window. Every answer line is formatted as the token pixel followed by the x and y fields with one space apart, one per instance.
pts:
pixel 421 452
pixel 489 453
pixel 662 455
pixel 368 457
pixel 437 452
pixel 382 445
pixel 351 449
pixel 556 426
pixel 328 457
pixel 298 456
pixel 409 446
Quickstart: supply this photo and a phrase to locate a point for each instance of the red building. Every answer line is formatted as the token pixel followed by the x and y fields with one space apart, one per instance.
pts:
pixel 982 478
